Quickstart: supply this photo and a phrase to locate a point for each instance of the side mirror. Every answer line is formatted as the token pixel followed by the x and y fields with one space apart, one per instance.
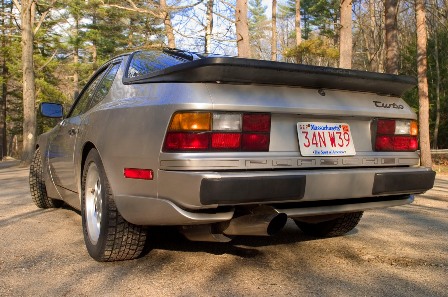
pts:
pixel 51 110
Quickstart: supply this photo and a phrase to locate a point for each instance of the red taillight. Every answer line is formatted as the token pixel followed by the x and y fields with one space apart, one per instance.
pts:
pixel 136 173
pixel 385 127
pixel 184 141
pixel 255 142
pixel 253 122
pixel 226 141
pixel 227 132
pixel 396 135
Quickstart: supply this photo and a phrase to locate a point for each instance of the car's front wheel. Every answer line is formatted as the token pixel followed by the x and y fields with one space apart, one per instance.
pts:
pixel 37 184
pixel 335 227
pixel 108 236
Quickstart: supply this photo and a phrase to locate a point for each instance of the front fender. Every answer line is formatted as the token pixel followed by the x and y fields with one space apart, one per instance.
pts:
pixel 43 142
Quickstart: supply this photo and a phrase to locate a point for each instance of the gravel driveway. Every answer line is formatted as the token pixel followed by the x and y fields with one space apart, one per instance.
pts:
pixel 401 251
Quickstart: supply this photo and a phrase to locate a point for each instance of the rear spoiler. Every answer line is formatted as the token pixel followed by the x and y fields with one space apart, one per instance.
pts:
pixel 249 71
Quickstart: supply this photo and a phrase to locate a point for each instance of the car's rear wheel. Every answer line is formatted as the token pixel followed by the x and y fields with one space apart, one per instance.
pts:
pixel 335 227
pixel 108 236
pixel 37 184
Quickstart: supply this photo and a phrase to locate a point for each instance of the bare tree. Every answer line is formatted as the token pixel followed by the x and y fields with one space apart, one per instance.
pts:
pixel 242 29
pixel 157 9
pixel 345 42
pixel 297 24
pixel 392 50
pixel 422 66
pixel 436 17
pixel 209 26
pixel 26 8
pixel 4 87
pixel 274 31
pixel 166 17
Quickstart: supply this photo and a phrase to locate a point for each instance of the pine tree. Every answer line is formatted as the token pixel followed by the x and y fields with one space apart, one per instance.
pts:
pixel 258 26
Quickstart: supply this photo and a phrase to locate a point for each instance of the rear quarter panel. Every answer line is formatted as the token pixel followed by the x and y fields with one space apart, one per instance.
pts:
pixel 128 130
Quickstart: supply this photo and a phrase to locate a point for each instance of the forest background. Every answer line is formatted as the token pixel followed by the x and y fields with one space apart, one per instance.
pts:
pixel 50 48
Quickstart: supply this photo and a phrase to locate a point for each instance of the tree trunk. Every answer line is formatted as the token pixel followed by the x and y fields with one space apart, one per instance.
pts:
pixel 422 65
pixel 76 60
pixel 392 51
pixel 436 58
pixel 274 31
pixel 209 27
pixel 167 23
pixel 345 42
pixel 3 105
pixel 29 92
pixel 297 24
pixel 242 29
pixel 372 45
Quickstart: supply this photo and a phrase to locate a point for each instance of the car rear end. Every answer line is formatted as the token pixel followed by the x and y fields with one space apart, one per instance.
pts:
pixel 265 144
pixel 307 149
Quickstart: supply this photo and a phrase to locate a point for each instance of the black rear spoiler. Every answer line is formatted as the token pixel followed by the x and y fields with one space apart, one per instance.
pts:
pixel 248 71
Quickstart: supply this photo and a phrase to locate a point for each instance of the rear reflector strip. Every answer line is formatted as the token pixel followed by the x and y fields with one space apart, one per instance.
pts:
pixel 136 173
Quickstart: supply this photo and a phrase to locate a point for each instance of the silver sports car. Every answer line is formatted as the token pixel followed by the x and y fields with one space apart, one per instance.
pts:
pixel 221 147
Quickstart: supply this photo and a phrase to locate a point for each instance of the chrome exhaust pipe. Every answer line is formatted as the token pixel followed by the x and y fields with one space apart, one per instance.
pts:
pixel 260 221
pixel 203 233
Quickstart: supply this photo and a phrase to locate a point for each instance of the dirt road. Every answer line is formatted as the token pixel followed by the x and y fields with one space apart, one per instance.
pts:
pixel 401 251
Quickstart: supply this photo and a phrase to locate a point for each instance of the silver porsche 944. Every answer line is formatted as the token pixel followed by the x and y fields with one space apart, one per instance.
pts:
pixel 222 147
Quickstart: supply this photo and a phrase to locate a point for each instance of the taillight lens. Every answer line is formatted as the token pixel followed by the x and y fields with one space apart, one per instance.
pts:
pixel 175 141
pixel 218 131
pixel 226 140
pixel 190 121
pixel 257 122
pixel 396 135
pixel 255 142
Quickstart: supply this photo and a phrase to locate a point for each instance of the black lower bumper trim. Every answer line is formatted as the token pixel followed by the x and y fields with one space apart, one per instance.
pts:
pixel 252 189
pixel 403 182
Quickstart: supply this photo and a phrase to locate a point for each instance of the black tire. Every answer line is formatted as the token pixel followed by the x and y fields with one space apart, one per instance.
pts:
pixel 331 228
pixel 114 239
pixel 37 184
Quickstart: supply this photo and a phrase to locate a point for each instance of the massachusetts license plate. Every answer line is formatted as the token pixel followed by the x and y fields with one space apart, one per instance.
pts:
pixel 325 139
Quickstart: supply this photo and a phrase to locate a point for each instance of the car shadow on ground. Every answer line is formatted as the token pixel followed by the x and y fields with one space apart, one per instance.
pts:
pixel 169 238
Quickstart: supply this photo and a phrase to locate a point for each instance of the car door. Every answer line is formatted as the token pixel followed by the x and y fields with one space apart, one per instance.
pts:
pixel 61 148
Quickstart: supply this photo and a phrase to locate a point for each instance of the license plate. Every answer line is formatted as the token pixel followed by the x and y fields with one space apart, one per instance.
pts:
pixel 325 139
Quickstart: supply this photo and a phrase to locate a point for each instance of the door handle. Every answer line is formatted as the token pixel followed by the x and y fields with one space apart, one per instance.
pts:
pixel 72 131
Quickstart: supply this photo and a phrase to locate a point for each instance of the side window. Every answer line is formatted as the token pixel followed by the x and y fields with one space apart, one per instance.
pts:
pixel 83 103
pixel 105 85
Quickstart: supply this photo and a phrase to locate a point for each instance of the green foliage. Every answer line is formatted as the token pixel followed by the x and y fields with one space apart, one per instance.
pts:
pixel 97 32
pixel 409 67
pixel 316 16
pixel 258 27
pixel 316 50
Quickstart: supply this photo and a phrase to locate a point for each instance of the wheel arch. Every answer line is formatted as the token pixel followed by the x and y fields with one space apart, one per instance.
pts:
pixel 88 146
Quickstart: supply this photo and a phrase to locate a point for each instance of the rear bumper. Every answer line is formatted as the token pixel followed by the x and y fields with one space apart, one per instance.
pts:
pixel 199 190
pixel 234 190
pixel 205 197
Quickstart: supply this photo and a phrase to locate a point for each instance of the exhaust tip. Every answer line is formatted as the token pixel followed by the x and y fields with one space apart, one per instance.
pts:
pixel 277 224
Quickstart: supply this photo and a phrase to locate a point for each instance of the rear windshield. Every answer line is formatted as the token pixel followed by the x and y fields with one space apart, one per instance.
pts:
pixel 146 62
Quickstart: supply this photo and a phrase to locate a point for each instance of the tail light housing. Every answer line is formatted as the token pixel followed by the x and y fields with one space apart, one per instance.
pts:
pixel 396 135
pixel 218 131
